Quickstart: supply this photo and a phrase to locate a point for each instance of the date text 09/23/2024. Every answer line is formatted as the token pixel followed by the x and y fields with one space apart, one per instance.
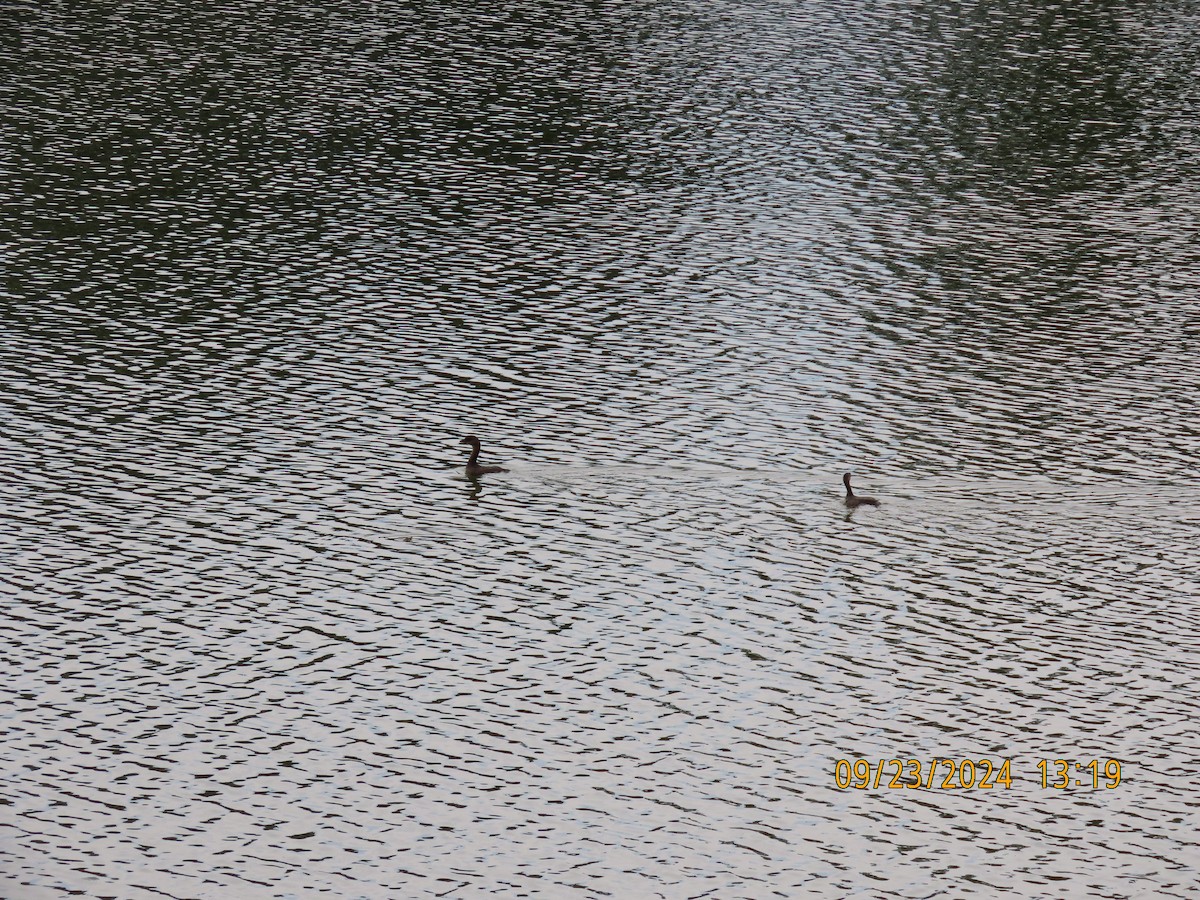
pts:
pixel 981 774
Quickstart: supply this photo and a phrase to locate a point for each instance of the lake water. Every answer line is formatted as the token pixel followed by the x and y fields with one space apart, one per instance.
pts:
pixel 680 266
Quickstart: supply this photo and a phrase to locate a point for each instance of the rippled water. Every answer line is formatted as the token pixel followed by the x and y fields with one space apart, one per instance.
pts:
pixel 680 266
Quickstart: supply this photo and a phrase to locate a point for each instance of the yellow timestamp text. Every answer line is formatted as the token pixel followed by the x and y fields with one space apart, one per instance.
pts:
pixel 1065 773
pixel 965 774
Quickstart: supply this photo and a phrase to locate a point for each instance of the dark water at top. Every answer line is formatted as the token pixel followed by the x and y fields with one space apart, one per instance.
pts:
pixel 680 265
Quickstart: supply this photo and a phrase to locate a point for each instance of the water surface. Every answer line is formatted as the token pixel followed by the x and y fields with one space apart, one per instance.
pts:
pixel 680 267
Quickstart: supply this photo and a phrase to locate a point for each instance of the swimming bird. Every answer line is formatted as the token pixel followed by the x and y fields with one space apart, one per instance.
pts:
pixel 853 501
pixel 474 469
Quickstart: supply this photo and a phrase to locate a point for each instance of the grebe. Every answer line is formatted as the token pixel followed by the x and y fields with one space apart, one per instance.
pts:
pixel 474 469
pixel 855 502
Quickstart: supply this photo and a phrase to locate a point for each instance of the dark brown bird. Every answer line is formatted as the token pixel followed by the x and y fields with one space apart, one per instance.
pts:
pixel 474 469
pixel 853 501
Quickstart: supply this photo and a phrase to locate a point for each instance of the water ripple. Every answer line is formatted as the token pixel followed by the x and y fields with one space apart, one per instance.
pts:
pixel 680 267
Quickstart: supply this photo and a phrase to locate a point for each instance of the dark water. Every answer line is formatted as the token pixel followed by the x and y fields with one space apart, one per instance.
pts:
pixel 680 266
